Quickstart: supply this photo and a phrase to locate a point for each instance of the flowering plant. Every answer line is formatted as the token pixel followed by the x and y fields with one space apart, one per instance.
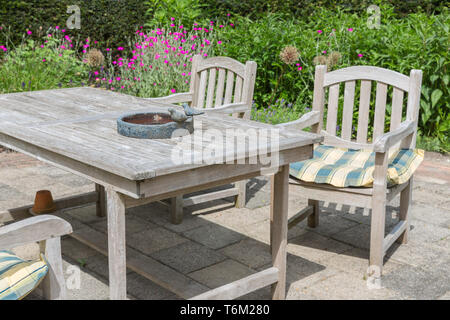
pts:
pixel 37 65
pixel 159 61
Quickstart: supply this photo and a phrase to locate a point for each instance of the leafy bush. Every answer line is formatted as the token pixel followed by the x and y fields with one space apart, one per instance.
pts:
pixel 185 11
pixel 42 65
pixel 415 42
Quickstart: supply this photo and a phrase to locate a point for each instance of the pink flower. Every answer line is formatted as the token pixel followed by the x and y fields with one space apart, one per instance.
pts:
pixel 360 55
pixel 350 29
pixel 43 60
pixel 120 48
pixel 232 24
pixel 173 90
pixel 108 49
pixel 42 45
pixel 319 31
pixel 63 30
pixel 219 42
pixel 29 32
pixel 324 51
pixel 96 73
pixel 228 14
pixel 57 27
pixel 299 68
pixel 172 18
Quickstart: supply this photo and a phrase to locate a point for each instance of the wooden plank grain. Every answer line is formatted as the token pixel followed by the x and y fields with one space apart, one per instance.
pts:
pixel 347 114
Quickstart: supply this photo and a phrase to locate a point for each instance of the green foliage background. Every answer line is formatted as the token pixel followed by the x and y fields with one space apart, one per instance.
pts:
pixel 108 21
pixel 418 41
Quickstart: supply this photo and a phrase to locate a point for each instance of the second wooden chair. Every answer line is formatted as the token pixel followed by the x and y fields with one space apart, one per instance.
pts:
pixel 218 85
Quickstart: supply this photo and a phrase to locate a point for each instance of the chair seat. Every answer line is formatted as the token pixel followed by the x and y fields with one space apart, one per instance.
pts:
pixel 19 277
pixel 341 167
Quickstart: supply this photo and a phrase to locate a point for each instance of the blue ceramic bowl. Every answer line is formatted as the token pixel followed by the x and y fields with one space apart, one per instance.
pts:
pixel 153 125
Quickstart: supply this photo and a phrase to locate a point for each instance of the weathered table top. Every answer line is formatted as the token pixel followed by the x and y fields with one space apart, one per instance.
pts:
pixel 80 123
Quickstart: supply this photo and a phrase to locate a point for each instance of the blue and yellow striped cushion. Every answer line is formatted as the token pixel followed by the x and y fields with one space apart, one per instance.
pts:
pixel 342 167
pixel 19 277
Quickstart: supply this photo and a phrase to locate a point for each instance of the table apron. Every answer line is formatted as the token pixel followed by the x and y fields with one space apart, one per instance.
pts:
pixel 102 177
pixel 202 178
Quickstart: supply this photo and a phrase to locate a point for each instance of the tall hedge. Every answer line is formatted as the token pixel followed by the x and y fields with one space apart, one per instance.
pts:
pixel 110 22
pixel 304 8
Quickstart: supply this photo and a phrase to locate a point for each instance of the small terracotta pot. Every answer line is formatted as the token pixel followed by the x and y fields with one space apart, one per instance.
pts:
pixel 43 202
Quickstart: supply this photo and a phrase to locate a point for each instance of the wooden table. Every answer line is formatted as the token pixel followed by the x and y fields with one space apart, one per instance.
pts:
pixel 75 129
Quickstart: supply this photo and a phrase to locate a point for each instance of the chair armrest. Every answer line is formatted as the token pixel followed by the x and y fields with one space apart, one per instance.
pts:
pixel 387 140
pixel 229 108
pixel 174 98
pixel 33 229
pixel 306 120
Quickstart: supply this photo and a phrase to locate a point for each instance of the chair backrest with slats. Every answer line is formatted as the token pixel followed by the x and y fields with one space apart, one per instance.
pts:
pixel 327 86
pixel 221 80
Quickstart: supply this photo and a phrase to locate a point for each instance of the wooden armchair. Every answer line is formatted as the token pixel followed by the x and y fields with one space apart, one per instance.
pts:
pixel 401 134
pixel 47 230
pixel 218 85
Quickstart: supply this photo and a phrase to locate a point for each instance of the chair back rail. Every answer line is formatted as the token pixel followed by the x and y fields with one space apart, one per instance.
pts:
pixel 358 79
pixel 221 80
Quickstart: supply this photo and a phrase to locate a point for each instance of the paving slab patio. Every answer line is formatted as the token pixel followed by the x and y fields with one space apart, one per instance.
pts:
pixel 217 243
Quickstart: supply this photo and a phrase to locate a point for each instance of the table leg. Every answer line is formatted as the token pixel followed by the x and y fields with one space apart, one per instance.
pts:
pixel 101 201
pixel 116 245
pixel 279 228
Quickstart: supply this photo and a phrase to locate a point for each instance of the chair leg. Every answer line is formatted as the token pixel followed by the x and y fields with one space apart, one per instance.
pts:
pixel 176 209
pixel 240 198
pixel 54 284
pixel 405 205
pixel 313 219
pixel 377 228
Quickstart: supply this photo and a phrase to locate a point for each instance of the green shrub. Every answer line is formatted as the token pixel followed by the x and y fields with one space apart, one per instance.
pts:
pixel 401 44
pixel 185 12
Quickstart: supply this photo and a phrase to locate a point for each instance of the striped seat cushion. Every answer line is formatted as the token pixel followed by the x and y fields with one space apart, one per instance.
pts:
pixel 342 167
pixel 19 277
